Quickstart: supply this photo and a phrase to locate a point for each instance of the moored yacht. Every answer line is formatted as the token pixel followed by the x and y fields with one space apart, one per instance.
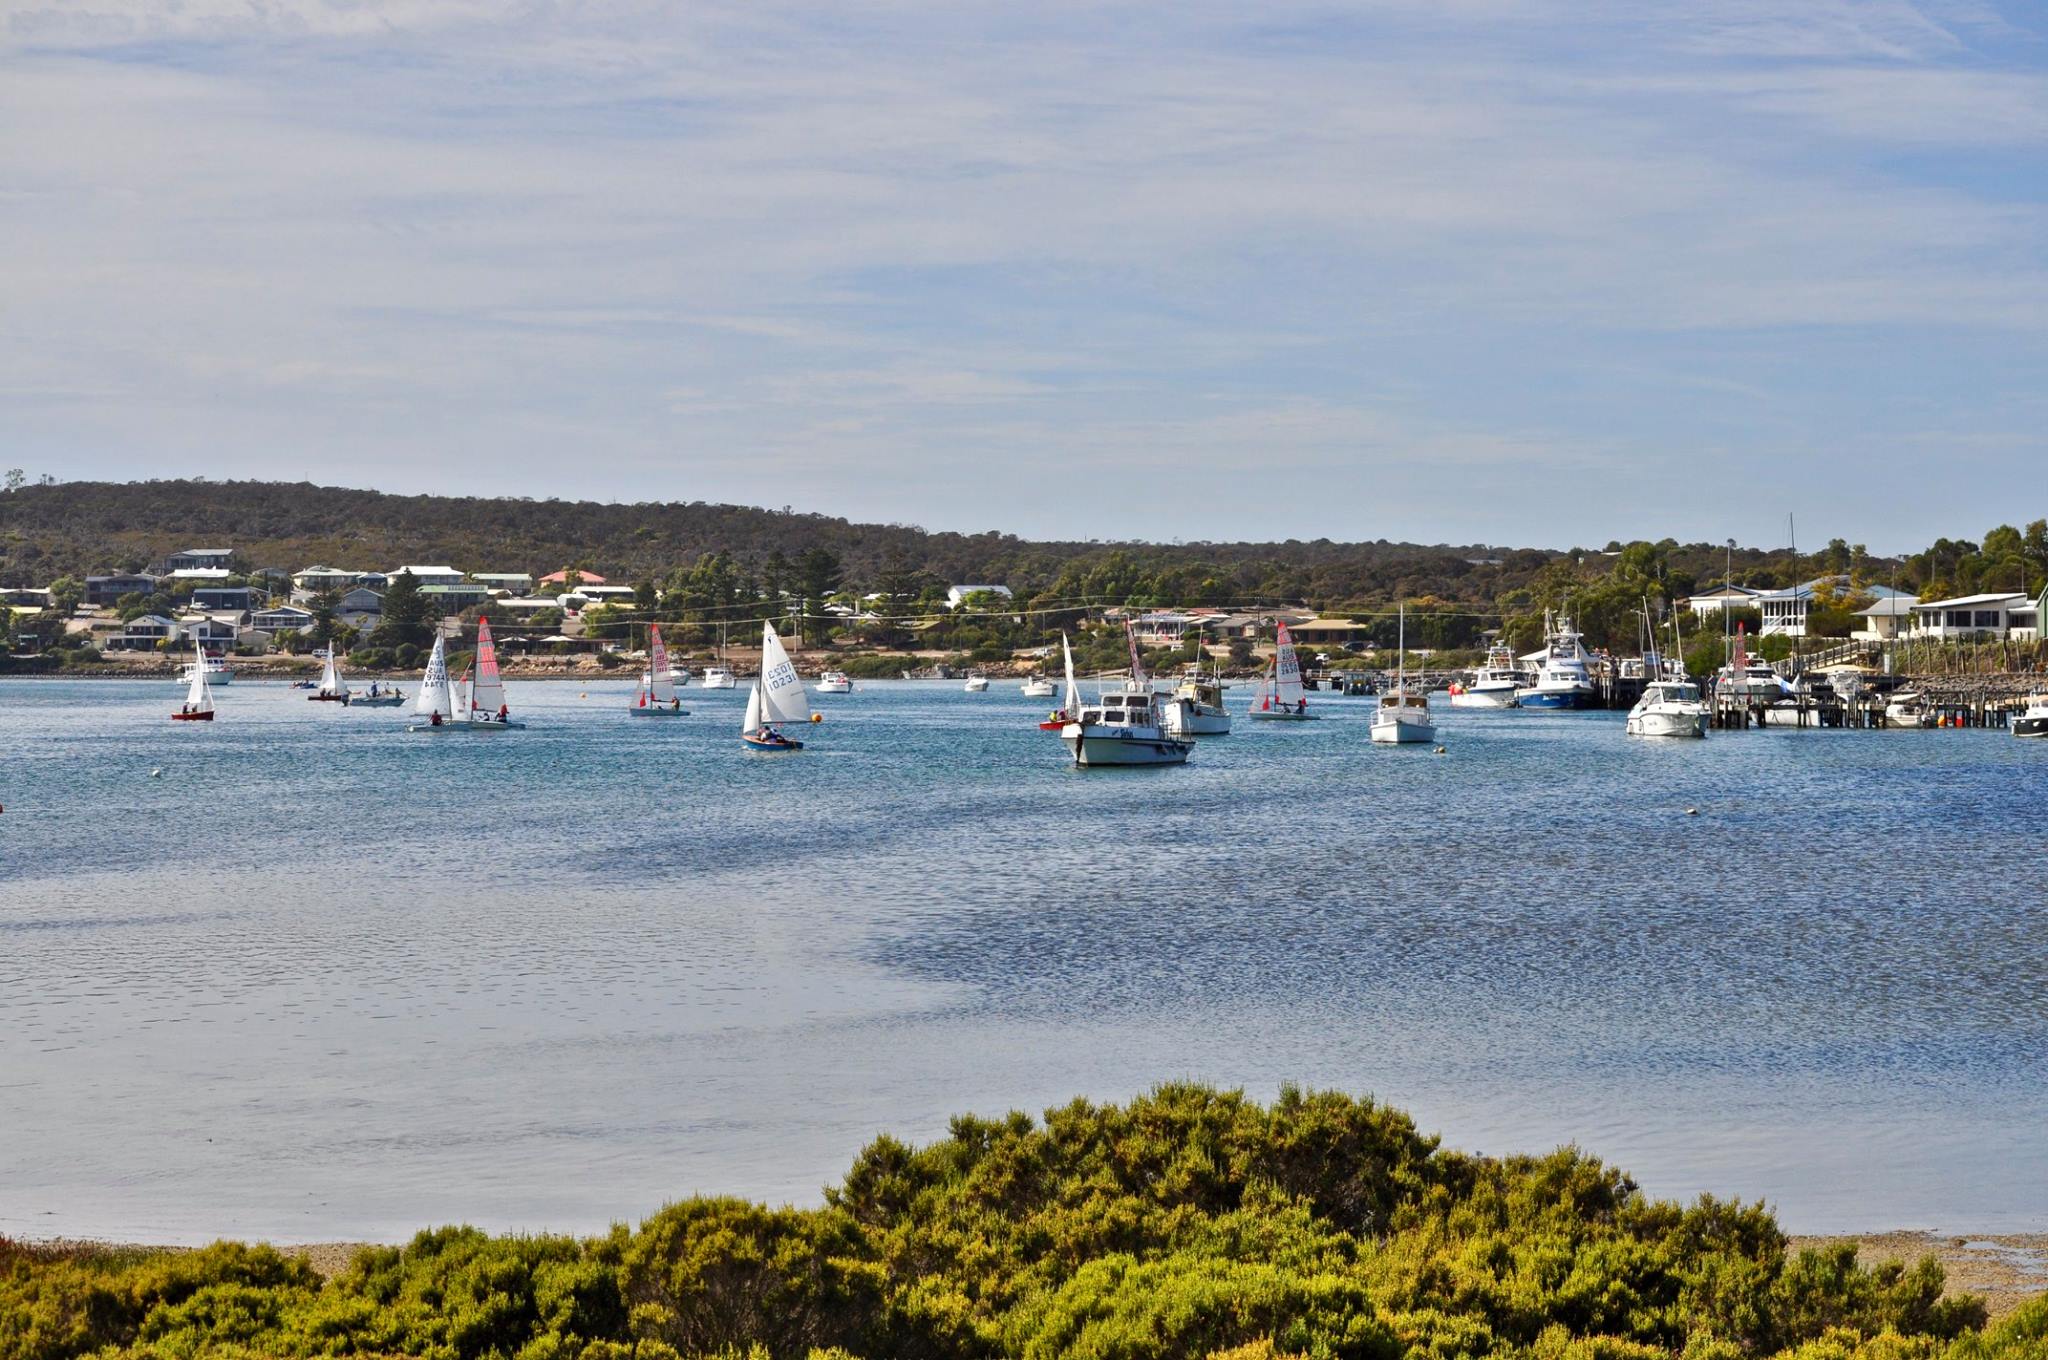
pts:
pixel 716 677
pixel 1907 709
pixel 1564 673
pixel 1124 727
pixel 1195 708
pixel 977 683
pixel 1403 714
pixel 835 682
pixel 2033 722
pixel 1039 687
pixel 218 672
pixel 1494 684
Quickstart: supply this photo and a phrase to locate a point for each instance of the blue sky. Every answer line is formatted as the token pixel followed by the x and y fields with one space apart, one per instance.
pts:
pixel 1512 271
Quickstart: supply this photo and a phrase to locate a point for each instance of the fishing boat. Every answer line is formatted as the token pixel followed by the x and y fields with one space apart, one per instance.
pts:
pixel 718 676
pixel 198 705
pixel 776 698
pixel 1195 707
pixel 1669 708
pixel 655 695
pixel 835 682
pixel 1279 696
pixel 977 683
pixel 1564 674
pixel 332 690
pixel 1493 685
pixel 1124 727
pixel 218 672
pixel 1038 687
pixel 2033 721
pixel 1403 714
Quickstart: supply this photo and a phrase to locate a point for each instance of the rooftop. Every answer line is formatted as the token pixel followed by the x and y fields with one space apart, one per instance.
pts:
pixel 1960 601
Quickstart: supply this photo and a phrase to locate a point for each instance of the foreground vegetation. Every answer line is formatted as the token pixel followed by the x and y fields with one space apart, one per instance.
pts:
pixel 1188 1223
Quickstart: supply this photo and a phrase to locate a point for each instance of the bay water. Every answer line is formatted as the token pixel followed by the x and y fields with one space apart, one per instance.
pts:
pixel 297 974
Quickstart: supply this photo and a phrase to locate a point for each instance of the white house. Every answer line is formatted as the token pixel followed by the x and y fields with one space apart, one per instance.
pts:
pixel 317 580
pixel 1785 611
pixel 510 582
pixel 1994 615
pixel 198 557
pixel 956 595
pixel 201 574
pixel 1722 597
pixel 283 619
pixel 431 575
pixel 1890 617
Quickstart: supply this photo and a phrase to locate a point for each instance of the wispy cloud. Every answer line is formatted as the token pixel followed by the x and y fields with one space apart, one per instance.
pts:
pixel 871 253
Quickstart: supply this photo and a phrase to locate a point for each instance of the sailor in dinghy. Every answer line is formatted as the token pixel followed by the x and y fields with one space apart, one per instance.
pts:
pixel 656 696
pixel 776 698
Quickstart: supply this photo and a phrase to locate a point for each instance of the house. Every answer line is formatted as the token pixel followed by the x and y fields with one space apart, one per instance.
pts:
pixel 361 600
pixel 1889 617
pixel 1161 628
pixel 26 597
pixel 239 598
pixel 1785 612
pixel 107 589
pixel 603 594
pixel 957 595
pixel 1993 616
pixel 141 633
pixel 453 599
pixel 1722 597
pixel 510 582
pixel 285 618
pixel 1321 632
pixel 319 580
pixel 523 606
pixel 201 574
pixel 214 635
pixel 561 578
pixel 199 559
pixel 431 575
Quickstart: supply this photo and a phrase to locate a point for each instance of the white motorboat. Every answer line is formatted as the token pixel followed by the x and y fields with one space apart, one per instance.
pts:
pixel 1750 678
pixel 1669 708
pixel 1279 696
pixel 1403 715
pixel 1564 672
pixel 1124 728
pixel 1038 687
pixel 777 697
pixel 1907 709
pixel 977 683
pixel 217 670
pixel 2033 721
pixel 1195 708
pixel 717 677
pixel 835 682
pixel 656 695
pixel 1493 685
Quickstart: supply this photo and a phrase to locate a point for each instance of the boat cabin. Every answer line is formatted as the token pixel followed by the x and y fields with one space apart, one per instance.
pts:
pixel 1405 699
pixel 1128 708
pixel 1671 692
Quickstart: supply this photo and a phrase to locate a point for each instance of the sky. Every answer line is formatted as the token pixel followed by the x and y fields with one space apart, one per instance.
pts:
pixel 1544 272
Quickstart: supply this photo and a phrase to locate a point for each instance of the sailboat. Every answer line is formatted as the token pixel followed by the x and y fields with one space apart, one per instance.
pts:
pixel 198 706
pixel 487 708
pixel 436 701
pixel 333 689
pixel 1402 716
pixel 656 697
pixel 1060 716
pixel 1279 696
pixel 777 698
pixel 719 676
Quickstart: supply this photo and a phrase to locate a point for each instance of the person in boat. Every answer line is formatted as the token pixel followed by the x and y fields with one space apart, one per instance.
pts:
pixel 504 713
pixel 1301 705
pixel 434 719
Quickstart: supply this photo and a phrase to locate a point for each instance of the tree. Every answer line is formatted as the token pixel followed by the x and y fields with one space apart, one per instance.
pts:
pixel 819 572
pixel 409 616
pixel 16 479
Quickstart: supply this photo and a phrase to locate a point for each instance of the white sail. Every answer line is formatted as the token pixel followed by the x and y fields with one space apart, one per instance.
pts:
pixel 753 718
pixel 781 688
pixel 1073 699
pixel 330 674
pixel 1287 690
pixel 436 694
pixel 198 695
pixel 661 685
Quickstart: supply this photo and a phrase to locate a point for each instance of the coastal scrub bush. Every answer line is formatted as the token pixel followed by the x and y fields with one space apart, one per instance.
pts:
pixel 1188 1222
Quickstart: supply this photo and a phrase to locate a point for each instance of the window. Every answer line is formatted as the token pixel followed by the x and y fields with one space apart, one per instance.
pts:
pixel 1987 618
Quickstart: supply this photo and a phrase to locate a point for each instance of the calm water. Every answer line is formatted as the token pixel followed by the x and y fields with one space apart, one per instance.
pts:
pixel 321 979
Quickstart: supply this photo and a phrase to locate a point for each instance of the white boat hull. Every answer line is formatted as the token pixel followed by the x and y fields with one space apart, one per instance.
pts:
pixel 1187 720
pixel 1123 746
pixel 717 680
pixel 1485 698
pixel 1038 689
pixel 1667 724
pixel 835 687
pixel 1401 730
pixel 975 686
pixel 467 727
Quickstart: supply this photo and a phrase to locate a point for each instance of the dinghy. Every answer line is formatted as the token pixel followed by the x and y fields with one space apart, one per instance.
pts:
pixel 436 701
pixel 656 697
pixel 487 708
pixel 198 706
pixel 1279 697
pixel 332 690
pixel 776 698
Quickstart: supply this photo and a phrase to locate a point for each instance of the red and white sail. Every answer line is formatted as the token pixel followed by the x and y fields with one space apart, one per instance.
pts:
pixel 487 691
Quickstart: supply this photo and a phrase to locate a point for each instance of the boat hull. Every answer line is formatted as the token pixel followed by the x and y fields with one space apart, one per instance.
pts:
pixel 1281 715
pixel 1199 724
pixel 1400 733
pixel 467 727
pixel 1485 698
pixel 658 711
pixel 1558 700
pixel 835 689
pixel 192 717
pixel 1667 724
pixel 328 698
pixel 1037 691
pixel 2030 727
pixel 1095 746
pixel 380 701
pixel 773 747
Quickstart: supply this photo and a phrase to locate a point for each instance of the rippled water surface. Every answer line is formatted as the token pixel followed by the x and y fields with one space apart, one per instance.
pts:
pixel 322 979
